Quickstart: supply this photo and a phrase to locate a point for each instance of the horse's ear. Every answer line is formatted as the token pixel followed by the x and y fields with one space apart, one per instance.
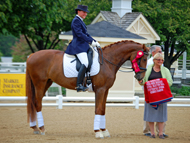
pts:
pixel 148 48
pixel 145 48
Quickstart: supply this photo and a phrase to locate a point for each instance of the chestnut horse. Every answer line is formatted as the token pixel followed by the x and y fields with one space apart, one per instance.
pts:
pixel 46 66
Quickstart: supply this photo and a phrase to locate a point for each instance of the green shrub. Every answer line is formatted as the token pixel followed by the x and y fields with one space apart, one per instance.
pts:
pixel 184 90
pixel 63 91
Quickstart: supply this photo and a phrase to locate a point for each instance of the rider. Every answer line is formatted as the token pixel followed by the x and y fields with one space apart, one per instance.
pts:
pixel 80 43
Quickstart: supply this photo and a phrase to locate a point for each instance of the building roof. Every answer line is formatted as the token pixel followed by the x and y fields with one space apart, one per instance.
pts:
pixel 111 17
pixel 128 18
pixel 134 22
pixel 114 18
pixel 107 29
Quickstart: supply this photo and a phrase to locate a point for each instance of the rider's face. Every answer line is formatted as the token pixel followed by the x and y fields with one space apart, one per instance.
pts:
pixel 82 14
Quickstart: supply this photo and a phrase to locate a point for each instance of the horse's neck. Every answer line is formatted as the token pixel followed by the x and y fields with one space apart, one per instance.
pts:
pixel 118 55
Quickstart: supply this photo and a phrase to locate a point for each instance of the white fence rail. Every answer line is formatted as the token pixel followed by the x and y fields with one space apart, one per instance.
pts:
pixel 15 67
pixel 63 101
pixel 180 64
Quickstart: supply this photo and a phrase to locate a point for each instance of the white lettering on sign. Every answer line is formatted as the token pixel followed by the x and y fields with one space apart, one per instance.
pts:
pixel 155 86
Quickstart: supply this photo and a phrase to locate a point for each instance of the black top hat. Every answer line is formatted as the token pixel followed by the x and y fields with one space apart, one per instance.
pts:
pixel 82 7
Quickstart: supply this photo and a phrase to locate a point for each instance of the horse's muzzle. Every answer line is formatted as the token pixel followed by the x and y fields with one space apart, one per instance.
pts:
pixel 138 76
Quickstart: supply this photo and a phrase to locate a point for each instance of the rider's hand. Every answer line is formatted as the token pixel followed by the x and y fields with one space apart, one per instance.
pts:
pixel 93 43
pixel 97 44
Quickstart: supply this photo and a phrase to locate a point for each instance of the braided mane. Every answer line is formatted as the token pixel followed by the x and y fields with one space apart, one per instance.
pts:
pixel 123 41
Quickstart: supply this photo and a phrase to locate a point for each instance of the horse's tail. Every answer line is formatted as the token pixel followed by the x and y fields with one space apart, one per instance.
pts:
pixel 30 93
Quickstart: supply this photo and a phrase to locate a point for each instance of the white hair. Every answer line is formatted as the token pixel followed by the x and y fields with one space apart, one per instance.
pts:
pixel 153 48
pixel 158 55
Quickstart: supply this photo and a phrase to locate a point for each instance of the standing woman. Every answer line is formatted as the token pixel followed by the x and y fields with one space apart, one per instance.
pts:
pixel 80 43
pixel 151 115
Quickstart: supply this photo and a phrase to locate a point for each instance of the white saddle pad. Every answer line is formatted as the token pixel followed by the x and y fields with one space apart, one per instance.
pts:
pixel 69 67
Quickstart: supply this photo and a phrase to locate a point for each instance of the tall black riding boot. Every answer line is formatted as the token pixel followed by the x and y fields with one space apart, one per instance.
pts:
pixel 80 79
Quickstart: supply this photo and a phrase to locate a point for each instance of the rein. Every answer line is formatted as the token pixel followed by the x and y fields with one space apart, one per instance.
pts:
pixel 100 49
pixel 141 68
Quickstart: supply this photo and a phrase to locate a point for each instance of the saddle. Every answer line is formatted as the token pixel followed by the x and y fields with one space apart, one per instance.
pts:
pixel 90 60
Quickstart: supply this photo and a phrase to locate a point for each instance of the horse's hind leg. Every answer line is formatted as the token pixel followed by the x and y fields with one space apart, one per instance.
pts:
pixel 34 127
pixel 40 92
pixel 39 95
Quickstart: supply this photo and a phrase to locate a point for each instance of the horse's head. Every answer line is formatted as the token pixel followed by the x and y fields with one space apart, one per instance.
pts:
pixel 139 61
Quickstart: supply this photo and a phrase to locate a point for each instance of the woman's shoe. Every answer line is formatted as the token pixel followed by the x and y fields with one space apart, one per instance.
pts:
pixel 148 134
pixel 152 136
pixel 161 137
pixel 166 136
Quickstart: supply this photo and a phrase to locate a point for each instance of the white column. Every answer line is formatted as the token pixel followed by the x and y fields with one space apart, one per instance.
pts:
pixel 121 7
pixel 184 65
pixel 59 101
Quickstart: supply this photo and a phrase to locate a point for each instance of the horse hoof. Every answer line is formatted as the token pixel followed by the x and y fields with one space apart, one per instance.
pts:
pixel 42 133
pixel 36 132
pixel 99 135
pixel 106 133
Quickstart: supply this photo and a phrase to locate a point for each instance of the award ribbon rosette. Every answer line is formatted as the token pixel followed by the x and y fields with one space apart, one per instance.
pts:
pixel 134 62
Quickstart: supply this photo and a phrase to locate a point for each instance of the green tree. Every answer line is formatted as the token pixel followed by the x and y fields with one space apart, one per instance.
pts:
pixel 94 6
pixel 35 19
pixel 0 55
pixel 6 42
pixel 21 50
pixel 171 20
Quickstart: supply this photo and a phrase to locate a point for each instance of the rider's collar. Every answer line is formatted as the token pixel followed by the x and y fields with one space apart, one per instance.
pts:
pixel 80 17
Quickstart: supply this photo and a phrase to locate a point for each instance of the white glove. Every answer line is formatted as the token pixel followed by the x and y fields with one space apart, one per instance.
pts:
pixel 95 44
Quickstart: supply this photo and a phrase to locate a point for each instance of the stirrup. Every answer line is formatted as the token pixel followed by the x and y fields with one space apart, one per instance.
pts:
pixel 80 88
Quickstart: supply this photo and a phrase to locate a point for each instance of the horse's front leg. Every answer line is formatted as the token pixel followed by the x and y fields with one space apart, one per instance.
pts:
pixel 99 120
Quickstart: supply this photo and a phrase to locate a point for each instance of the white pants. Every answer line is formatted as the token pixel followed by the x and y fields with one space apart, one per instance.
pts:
pixel 83 58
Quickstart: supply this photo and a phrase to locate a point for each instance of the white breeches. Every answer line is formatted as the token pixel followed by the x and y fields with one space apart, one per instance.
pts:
pixel 83 58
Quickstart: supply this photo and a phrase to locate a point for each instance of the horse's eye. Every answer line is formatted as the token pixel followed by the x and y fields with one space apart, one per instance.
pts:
pixel 144 59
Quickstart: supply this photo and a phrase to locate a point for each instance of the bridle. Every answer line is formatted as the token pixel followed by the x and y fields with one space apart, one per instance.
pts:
pixel 139 61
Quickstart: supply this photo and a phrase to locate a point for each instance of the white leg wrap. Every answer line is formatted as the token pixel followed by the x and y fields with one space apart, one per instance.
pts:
pixel 97 122
pixel 102 122
pixel 32 124
pixel 40 119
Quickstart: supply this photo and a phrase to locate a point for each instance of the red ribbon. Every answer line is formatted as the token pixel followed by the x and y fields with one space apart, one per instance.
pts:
pixel 134 62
